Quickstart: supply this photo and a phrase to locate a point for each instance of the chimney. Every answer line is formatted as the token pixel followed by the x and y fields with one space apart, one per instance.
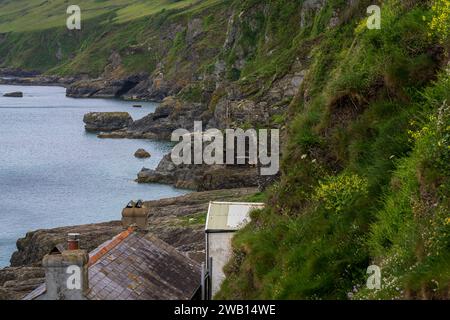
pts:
pixel 135 214
pixel 66 273
pixel 73 240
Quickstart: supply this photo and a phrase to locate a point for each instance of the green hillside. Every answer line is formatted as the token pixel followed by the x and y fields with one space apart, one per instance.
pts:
pixel 365 177
pixel 44 44
pixel 24 15
pixel 366 170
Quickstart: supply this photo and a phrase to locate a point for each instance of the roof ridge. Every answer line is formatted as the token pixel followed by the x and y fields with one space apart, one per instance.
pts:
pixel 104 248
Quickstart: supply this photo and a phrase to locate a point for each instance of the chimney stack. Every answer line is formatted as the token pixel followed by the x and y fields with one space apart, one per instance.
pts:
pixel 66 273
pixel 135 214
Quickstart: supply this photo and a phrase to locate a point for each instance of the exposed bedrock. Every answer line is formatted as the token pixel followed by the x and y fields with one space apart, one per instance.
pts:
pixel 170 115
pixel 106 121
pixel 200 177
pixel 105 88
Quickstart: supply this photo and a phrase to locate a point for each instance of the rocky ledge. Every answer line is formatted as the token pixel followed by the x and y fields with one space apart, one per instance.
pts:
pixel 178 221
pixel 33 78
pixel 139 86
pixel 170 115
pixel 106 121
pixel 200 177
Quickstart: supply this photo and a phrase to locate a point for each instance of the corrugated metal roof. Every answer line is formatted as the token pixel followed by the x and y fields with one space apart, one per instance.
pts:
pixel 229 216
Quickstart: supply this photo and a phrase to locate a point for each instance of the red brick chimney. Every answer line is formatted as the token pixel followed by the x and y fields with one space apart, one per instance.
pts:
pixel 73 241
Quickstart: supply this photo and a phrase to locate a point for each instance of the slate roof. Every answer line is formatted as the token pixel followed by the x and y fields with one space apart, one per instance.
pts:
pixel 135 265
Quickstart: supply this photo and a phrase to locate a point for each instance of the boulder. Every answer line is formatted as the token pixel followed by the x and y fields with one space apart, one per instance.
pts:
pixel 16 94
pixel 142 153
pixel 106 121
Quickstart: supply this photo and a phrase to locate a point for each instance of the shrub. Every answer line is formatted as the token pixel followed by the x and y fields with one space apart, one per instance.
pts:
pixel 440 22
pixel 340 192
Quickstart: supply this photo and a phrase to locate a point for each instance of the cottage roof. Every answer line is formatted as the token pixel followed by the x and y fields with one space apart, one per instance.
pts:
pixel 136 265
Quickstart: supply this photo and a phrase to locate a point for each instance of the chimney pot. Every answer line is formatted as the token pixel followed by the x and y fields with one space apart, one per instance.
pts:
pixel 73 241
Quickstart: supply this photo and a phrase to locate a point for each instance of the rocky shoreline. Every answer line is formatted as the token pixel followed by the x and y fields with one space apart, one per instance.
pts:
pixel 33 78
pixel 133 87
pixel 178 221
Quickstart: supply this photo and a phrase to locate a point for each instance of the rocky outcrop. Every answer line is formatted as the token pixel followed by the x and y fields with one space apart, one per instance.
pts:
pixel 178 221
pixel 105 88
pixel 23 77
pixel 142 154
pixel 15 282
pixel 16 94
pixel 18 73
pixel 36 244
pixel 106 121
pixel 170 115
pixel 200 177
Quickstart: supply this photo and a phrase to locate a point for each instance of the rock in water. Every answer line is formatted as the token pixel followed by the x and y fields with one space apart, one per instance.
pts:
pixel 142 153
pixel 106 121
pixel 137 106
pixel 16 94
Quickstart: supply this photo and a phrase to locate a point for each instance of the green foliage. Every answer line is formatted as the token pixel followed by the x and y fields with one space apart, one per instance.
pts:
pixel 24 15
pixel 440 22
pixel 192 93
pixel 410 238
pixel 108 27
pixel 338 193
pixel 195 219
pixel 385 200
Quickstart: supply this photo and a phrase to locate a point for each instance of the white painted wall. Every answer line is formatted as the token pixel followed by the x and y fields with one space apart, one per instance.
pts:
pixel 219 248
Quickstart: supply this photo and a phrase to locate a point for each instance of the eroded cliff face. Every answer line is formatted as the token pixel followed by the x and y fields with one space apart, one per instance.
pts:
pixel 255 71
pixel 226 65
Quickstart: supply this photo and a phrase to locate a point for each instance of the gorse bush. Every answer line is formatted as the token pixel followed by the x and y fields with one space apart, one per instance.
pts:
pixel 440 23
pixel 338 193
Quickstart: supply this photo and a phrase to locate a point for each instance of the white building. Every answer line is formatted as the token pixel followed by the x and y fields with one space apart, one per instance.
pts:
pixel 223 220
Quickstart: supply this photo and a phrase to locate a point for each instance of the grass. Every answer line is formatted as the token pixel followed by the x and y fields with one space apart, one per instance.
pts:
pixel 196 219
pixel 353 187
pixel 23 15
pixel 141 36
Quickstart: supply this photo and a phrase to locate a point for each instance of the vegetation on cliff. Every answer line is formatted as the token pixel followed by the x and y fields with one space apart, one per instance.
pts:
pixel 366 175
pixel 365 171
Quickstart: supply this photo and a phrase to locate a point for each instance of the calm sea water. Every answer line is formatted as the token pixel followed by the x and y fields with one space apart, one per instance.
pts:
pixel 53 173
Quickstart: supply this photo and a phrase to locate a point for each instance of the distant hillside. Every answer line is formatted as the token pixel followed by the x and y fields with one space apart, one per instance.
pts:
pixel 25 15
pixel 33 35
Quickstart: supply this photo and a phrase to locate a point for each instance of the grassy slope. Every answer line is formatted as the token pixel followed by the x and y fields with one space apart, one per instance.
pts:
pixel 366 176
pixel 24 15
pixel 107 26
